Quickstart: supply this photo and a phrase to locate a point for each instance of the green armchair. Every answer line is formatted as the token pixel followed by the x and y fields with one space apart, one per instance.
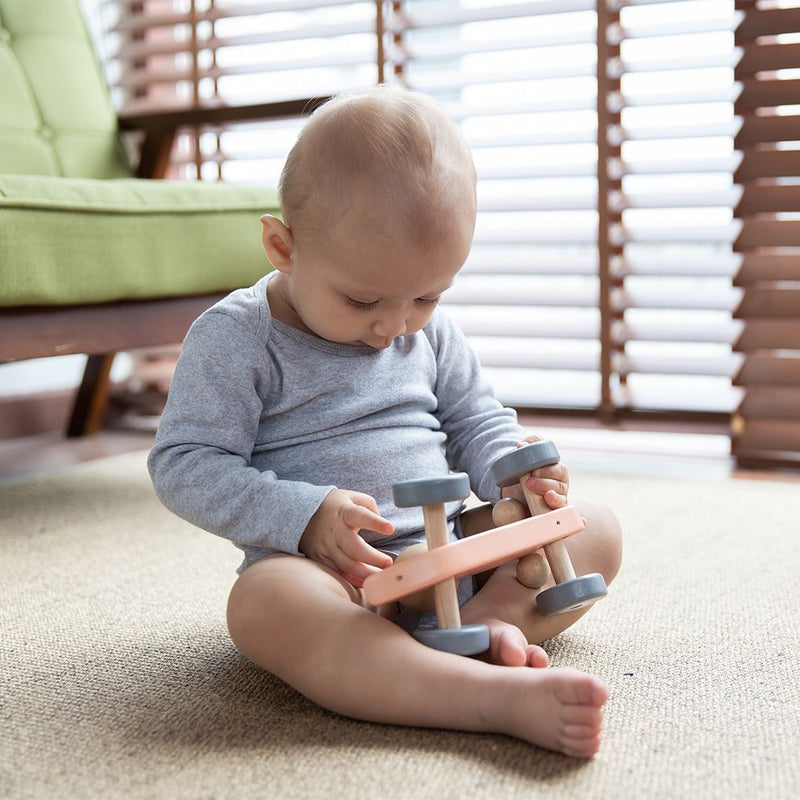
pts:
pixel 94 257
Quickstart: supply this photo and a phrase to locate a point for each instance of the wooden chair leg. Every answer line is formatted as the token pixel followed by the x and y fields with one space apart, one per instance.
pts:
pixel 91 400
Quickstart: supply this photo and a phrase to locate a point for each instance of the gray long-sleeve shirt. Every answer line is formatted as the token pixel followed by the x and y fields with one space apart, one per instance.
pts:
pixel 263 420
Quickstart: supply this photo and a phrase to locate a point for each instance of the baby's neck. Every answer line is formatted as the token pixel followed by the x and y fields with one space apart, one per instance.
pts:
pixel 280 305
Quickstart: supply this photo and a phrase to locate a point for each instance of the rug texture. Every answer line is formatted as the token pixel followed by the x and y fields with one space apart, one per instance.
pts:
pixel 117 677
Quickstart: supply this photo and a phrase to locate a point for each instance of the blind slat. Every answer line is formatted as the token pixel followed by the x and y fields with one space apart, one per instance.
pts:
pixel 768 57
pixel 774 402
pixel 524 139
pixel 689 297
pixel 768 164
pixel 771 435
pixel 688 26
pixel 769 334
pixel 719 331
pixel 766 301
pixel 768 22
pixel 684 364
pixel 517 261
pixel 510 353
pixel 516 291
pixel 675 164
pixel 756 198
pixel 662 97
pixel 686 199
pixel 768 129
pixel 756 267
pixel 523 321
pixel 766 93
pixel 768 233
pixel 137 23
pixel 678 62
pixel 444 15
pixel 763 370
pixel 141 79
pixel 697 265
pixel 716 234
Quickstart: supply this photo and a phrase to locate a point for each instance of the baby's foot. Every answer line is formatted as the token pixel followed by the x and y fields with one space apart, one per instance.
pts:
pixel 558 709
pixel 509 647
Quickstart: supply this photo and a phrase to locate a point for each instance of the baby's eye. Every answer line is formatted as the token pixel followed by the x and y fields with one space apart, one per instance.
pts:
pixel 361 306
pixel 427 301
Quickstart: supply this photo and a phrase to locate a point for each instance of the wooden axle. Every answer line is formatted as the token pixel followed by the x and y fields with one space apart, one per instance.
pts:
pixel 556 552
pixel 445 593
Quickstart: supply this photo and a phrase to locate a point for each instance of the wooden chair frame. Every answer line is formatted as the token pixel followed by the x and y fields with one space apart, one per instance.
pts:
pixel 102 330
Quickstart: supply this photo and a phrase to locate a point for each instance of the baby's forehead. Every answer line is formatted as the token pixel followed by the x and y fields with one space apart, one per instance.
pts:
pixel 392 277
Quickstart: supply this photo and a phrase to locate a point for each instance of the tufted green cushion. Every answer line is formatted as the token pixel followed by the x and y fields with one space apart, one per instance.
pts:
pixel 71 241
pixel 75 226
pixel 57 116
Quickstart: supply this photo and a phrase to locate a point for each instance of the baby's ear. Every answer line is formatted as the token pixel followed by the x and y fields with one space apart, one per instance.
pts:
pixel 278 242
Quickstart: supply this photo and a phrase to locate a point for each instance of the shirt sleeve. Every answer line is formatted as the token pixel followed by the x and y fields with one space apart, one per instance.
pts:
pixel 200 463
pixel 479 428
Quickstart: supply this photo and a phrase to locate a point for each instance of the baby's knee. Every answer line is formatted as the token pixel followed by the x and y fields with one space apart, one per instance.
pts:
pixel 241 611
pixel 610 536
pixel 603 538
pixel 259 603
pixel 273 596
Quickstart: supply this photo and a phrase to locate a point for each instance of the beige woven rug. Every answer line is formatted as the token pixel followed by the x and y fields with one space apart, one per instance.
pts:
pixel 117 678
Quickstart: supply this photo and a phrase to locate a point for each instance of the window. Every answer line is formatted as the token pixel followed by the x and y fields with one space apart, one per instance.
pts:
pixel 604 134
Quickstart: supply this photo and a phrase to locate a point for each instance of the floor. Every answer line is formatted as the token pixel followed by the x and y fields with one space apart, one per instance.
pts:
pixel 29 456
pixel 582 446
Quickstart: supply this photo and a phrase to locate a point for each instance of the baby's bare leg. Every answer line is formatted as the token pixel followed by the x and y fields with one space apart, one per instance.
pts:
pixel 503 600
pixel 304 624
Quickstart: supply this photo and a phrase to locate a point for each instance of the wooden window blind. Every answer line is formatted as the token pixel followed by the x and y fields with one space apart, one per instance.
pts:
pixel 666 193
pixel 766 426
pixel 606 135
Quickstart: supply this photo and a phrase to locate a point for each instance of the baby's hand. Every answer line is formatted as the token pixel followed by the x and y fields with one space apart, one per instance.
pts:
pixel 551 483
pixel 331 536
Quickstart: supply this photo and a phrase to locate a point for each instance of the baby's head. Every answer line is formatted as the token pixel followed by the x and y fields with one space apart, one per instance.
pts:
pixel 378 202
pixel 384 162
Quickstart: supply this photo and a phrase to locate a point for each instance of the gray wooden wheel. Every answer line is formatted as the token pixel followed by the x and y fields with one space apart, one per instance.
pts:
pixel 508 469
pixel 468 640
pixel 428 491
pixel 571 595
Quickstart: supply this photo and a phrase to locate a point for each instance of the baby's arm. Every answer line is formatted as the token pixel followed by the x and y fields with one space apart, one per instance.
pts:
pixel 479 428
pixel 331 536
pixel 201 460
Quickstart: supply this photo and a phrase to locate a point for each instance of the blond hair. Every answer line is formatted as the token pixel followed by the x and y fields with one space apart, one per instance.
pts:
pixel 389 154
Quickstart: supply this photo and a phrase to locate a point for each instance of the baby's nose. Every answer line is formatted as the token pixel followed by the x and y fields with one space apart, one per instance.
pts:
pixel 390 326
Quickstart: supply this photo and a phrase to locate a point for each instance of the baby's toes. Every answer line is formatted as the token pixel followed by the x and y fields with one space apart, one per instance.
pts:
pixel 576 732
pixel 583 691
pixel 583 716
pixel 537 657
pixel 510 648
pixel 582 746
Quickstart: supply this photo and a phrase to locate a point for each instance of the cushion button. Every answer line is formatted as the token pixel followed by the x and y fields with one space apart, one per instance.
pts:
pixel 5 35
pixel 45 132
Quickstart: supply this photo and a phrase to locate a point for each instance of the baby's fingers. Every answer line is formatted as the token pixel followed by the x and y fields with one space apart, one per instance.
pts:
pixel 551 483
pixel 358 517
pixel 359 554
pixel 356 560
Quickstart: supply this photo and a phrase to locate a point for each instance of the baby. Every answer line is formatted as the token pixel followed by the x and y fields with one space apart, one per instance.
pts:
pixel 297 403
